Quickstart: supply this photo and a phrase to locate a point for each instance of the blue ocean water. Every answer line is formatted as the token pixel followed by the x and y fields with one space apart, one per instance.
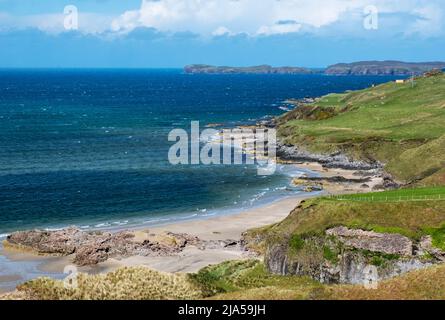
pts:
pixel 89 147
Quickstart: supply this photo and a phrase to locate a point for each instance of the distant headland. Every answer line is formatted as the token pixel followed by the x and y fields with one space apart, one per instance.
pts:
pixel 395 68
pixel 263 69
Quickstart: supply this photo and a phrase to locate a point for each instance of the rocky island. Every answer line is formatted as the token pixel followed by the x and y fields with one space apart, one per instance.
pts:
pixel 263 69
pixel 391 68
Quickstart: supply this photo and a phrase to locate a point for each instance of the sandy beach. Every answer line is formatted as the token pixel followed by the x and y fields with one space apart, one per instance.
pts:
pixel 218 228
pixel 191 259
pixel 229 227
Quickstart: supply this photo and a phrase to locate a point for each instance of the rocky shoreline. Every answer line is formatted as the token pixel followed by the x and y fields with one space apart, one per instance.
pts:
pixel 92 247
pixel 333 160
pixel 288 153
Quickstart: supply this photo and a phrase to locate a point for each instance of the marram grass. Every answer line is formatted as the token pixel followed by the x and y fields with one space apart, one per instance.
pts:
pixel 137 283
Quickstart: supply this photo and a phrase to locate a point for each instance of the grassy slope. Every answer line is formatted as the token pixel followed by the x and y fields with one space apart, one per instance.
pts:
pixel 398 124
pixel 411 218
pixel 407 194
pixel 422 284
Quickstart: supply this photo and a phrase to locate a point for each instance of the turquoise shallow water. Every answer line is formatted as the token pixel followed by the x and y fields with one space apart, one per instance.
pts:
pixel 89 147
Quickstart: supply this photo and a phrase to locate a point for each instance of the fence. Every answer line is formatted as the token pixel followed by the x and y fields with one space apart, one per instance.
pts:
pixel 390 198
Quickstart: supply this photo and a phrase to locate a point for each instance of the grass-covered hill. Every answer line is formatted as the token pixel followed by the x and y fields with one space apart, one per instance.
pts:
pixel 410 212
pixel 399 124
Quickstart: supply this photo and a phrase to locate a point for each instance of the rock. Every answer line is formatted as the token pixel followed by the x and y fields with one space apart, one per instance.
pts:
pixel 303 184
pixel 346 255
pixel 334 160
pixel 334 179
pixel 389 183
pixel 60 242
pixel 91 248
pixel 230 243
pixel 183 239
pixel 387 243
pixel 426 246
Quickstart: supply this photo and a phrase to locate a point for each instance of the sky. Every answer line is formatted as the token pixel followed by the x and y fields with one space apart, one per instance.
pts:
pixel 173 33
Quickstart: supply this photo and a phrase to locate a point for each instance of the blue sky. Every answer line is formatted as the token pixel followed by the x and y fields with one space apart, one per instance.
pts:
pixel 172 33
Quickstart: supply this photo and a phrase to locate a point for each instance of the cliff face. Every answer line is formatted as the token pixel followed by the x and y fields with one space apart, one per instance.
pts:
pixel 263 69
pixel 353 240
pixel 383 68
pixel 350 256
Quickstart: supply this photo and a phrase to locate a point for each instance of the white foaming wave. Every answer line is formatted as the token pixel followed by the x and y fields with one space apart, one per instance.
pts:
pixel 188 217
pixel 102 225
pixel 208 214
pixel 256 197
pixel 120 223
pixel 54 229
pixel 156 220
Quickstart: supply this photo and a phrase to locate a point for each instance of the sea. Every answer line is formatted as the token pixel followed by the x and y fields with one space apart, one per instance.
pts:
pixel 89 147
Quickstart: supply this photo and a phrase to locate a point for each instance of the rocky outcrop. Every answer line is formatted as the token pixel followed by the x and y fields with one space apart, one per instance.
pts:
pixel 344 255
pixel 333 160
pixel 89 248
pixel 63 242
pixel 373 241
pixel 426 246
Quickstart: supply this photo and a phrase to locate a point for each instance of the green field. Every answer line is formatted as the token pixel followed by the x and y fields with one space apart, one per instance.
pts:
pixel 401 125
pixel 416 194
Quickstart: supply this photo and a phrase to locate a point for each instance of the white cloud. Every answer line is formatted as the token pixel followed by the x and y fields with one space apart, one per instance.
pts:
pixel 261 17
pixel 239 16
pixel 222 31
pixel 251 17
pixel 430 21
pixel 279 28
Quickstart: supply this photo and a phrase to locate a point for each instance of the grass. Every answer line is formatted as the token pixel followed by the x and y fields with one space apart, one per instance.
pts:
pixel 413 219
pixel 296 242
pixel 408 194
pixel 232 279
pixel 437 235
pixel 399 125
pixel 123 284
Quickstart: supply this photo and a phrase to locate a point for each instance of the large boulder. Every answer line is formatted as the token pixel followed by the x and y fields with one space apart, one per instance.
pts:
pixel 388 243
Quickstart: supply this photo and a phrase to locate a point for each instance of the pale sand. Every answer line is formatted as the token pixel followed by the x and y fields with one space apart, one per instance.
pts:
pixel 217 228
